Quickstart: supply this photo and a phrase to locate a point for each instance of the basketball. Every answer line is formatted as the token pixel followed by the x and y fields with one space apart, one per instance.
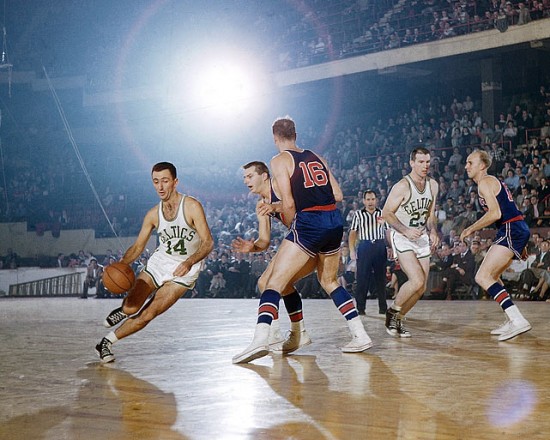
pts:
pixel 118 278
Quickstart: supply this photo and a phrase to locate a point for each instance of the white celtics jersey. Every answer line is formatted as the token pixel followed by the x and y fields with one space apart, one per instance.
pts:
pixel 177 239
pixel 414 211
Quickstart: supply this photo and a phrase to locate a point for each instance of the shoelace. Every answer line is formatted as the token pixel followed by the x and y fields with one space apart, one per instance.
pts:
pixel 105 349
pixel 118 316
pixel 400 325
pixel 505 323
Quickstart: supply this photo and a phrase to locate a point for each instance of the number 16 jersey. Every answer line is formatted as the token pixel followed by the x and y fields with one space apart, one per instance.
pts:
pixel 310 182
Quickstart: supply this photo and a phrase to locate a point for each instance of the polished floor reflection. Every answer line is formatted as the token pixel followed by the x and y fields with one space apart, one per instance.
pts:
pixel 175 379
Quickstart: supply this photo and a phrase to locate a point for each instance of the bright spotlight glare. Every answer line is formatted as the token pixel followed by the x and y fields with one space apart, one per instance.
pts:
pixel 224 85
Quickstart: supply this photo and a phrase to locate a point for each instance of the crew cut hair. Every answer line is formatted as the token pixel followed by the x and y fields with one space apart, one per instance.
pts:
pixel 161 166
pixel 285 128
pixel 259 167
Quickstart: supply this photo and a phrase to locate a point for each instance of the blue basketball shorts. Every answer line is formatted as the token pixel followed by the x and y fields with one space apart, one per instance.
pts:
pixel 514 236
pixel 317 232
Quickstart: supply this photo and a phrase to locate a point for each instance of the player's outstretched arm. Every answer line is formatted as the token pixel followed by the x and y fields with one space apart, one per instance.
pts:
pixel 264 236
pixel 150 222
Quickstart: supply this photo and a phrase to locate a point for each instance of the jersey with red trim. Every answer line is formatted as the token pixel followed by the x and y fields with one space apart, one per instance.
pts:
pixel 508 208
pixel 310 181
pixel 275 199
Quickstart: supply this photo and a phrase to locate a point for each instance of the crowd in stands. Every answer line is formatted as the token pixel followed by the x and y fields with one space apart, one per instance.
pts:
pixel 374 157
pixel 333 31
pixel 52 195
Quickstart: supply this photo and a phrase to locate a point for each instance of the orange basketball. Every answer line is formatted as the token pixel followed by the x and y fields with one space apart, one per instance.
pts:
pixel 118 278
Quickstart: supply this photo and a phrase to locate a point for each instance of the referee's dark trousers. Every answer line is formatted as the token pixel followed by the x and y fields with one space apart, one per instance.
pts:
pixel 371 273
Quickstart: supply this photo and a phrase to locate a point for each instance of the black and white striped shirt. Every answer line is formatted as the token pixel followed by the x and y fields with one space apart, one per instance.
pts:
pixel 366 225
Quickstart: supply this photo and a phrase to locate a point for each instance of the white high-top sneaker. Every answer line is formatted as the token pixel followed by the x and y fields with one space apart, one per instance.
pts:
pixel 258 348
pixel 517 324
pixel 502 328
pixel 275 336
pixel 297 338
pixel 360 339
pixel 516 327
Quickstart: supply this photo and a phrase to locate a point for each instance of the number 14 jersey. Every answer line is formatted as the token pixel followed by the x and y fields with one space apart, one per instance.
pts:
pixel 176 238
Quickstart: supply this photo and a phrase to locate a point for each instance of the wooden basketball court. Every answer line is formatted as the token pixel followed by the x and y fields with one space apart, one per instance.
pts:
pixel 175 379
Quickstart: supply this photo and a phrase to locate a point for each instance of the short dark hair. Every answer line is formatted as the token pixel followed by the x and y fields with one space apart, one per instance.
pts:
pixel 369 191
pixel 418 150
pixel 259 167
pixel 161 166
pixel 285 128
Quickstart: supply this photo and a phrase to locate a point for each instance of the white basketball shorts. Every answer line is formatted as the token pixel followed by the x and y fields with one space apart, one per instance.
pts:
pixel 420 247
pixel 161 267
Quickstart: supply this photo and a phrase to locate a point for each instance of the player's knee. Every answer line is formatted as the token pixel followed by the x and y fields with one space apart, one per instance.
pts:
pixel 482 280
pixel 131 305
pixel 418 285
pixel 130 309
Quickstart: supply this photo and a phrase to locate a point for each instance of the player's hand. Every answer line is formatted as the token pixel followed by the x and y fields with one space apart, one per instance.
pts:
pixel 183 269
pixel 434 240
pixel 242 245
pixel 413 234
pixel 265 209
pixel 464 236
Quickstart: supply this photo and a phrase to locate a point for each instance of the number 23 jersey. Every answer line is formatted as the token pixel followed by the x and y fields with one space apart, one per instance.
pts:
pixel 177 239
pixel 414 211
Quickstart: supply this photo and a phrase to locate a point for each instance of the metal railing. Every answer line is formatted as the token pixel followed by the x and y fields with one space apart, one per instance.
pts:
pixel 64 285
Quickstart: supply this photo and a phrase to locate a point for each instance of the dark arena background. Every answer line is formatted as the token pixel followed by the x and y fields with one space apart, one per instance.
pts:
pixel 93 93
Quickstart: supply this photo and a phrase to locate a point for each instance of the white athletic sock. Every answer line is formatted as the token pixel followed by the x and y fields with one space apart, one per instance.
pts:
pixel 395 307
pixel 111 337
pixel 261 333
pixel 513 313
pixel 297 326
pixel 356 327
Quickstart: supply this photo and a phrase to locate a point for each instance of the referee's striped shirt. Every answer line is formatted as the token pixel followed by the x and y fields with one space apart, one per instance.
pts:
pixel 366 225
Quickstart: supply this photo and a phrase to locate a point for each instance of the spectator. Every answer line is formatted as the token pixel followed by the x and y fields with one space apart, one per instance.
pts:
pixel 61 262
pixel 94 273
pixel 524 16
pixel 461 272
pixel 512 180
pixel 510 133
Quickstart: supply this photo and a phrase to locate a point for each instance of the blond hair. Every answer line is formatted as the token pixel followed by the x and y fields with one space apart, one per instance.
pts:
pixel 484 157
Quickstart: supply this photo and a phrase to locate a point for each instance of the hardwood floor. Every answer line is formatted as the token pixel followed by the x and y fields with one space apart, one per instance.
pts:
pixel 175 379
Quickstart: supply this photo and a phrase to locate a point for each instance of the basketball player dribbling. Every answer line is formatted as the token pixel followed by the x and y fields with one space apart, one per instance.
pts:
pixel 185 240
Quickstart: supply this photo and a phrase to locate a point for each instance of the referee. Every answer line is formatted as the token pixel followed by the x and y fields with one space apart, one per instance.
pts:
pixel 367 245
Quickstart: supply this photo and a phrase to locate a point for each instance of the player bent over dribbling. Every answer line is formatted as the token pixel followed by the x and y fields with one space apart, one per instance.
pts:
pixel 185 240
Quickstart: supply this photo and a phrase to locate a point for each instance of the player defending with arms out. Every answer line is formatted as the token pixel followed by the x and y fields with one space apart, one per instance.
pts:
pixel 258 181
pixel 409 210
pixel 509 243
pixel 309 193
pixel 185 240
